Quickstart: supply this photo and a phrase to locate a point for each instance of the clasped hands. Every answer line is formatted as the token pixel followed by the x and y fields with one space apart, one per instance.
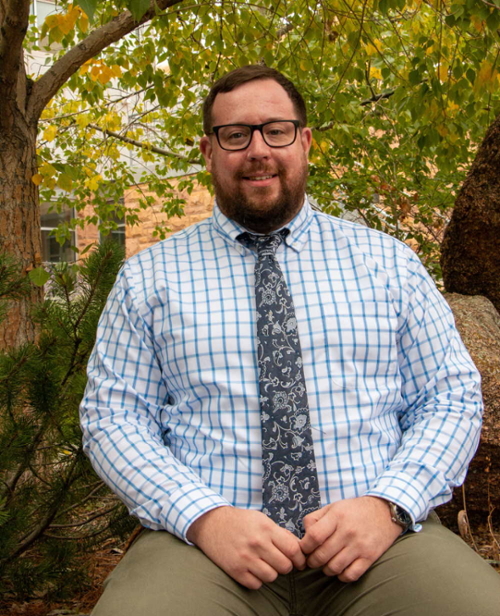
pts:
pixel 344 539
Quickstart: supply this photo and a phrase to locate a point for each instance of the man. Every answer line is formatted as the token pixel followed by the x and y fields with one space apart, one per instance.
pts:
pixel 187 412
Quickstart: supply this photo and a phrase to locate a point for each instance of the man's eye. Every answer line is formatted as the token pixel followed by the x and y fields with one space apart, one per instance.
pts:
pixel 236 136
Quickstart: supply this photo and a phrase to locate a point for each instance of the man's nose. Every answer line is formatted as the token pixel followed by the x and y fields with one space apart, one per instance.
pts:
pixel 257 148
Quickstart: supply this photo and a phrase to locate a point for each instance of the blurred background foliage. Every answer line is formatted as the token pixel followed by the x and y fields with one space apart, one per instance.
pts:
pixel 400 93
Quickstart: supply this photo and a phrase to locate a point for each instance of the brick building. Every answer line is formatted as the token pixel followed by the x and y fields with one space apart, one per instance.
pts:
pixel 140 236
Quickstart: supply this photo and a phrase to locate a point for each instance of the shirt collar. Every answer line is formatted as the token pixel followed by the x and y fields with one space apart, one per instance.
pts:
pixel 298 227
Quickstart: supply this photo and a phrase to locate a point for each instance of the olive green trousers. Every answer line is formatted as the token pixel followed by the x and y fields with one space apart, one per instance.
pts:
pixel 431 573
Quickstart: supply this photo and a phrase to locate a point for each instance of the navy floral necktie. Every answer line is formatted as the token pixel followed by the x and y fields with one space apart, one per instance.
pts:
pixel 290 487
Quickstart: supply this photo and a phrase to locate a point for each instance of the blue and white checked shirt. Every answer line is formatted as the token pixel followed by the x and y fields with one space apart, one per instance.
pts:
pixel 171 413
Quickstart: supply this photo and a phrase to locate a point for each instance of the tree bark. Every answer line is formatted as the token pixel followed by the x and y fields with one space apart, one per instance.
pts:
pixel 19 213
pixel 470 252
pixel 20 216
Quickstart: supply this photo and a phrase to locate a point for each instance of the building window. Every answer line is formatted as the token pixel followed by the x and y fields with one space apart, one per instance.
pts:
pixel 42 8
pixel 116 232
pixel 52 251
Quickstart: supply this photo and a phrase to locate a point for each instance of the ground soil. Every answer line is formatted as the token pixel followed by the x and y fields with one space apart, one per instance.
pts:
pixel 483 540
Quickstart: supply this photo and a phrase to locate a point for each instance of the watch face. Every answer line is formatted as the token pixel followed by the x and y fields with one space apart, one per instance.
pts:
pixel 400 516
pixel 403 515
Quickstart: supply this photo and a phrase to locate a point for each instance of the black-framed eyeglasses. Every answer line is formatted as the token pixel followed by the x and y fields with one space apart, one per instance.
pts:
pixel 277 134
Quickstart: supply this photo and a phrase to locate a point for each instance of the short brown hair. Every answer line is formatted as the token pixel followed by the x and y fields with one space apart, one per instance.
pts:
pixel 242 75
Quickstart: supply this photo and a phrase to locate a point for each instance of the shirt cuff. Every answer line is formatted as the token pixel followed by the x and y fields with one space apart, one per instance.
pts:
pixel 187 504
pixel 403 490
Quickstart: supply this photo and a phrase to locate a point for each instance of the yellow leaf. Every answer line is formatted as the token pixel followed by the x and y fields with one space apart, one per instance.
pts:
pixel 37 179
pixel 373 49
pixel 47 114
pixel 443 71
pixel 49 134
pixel 67 22
pixel 84 68
pixel 375 72
pixel 95 72
pixel 74 13
pixel 105 75
pixel 112 121
pixel 82 120
pixel 117 71
pixel 442 130
pixel 113 152
pixel 52 21
pixel 477 23
pixel 83 23
pixel 64 24
pixel 485 73
pixel 93 182
pixel 47 170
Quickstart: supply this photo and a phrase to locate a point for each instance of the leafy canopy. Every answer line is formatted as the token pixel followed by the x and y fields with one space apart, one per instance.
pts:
pixel 400 92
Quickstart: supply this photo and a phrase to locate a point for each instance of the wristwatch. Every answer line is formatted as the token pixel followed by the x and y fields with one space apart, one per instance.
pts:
pixel 400 516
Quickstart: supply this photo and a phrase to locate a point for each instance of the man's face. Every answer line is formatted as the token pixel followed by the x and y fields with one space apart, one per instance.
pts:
pixel 261 188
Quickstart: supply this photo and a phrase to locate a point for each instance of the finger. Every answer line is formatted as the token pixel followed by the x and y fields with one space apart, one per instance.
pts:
pixel 276 559
pixel 289 545
pixel 355 570
pixel 340 562
pixel 262 571
pixel 328 550
pixel 249 580
pixel 318 533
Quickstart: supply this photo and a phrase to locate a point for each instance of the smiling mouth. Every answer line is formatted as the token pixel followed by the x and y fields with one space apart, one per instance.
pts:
pixel 259 177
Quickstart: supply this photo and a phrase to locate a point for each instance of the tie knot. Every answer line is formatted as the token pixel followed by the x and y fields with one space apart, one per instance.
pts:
pixel 265 245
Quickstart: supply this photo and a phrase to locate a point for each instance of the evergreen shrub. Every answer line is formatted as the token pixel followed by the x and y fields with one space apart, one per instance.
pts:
pixel 53 508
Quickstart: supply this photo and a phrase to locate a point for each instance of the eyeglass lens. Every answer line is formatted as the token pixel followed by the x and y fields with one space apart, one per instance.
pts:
pixel 275 134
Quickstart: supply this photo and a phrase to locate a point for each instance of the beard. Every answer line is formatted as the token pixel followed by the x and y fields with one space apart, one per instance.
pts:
pixel 261 213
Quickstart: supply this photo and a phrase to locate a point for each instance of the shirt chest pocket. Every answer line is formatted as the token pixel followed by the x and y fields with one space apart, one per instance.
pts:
pixel 353 343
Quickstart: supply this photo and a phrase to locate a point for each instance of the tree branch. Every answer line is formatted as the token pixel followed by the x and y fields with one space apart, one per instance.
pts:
pixel 98 514
pixel 144 146
pixel 377 97
pixel 14 20
pixel 48 85
pixel 29 539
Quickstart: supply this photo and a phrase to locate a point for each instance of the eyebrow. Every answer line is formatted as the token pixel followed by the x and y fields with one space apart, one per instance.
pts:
pixel 273 119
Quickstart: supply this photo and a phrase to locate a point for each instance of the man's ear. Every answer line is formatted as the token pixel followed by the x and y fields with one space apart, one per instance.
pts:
pixel 306 138
pixel 206 150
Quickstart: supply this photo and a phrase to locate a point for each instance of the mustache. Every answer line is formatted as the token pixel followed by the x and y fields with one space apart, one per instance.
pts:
pixel 258 170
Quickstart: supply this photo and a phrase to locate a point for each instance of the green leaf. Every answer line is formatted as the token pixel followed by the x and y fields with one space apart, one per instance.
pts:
pixel 138 8
pixel 414 77
pixel 39 276
pixel 88 7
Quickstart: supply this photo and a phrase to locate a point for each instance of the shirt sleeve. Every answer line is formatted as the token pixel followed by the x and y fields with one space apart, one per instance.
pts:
pixel 442 403
pixel 120 419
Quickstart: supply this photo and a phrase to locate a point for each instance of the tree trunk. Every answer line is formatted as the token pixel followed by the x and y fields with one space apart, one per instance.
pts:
pixel 19 216
pixel 470 253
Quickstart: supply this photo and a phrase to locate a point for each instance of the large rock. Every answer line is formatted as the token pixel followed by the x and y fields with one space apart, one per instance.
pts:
pixel 479 324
